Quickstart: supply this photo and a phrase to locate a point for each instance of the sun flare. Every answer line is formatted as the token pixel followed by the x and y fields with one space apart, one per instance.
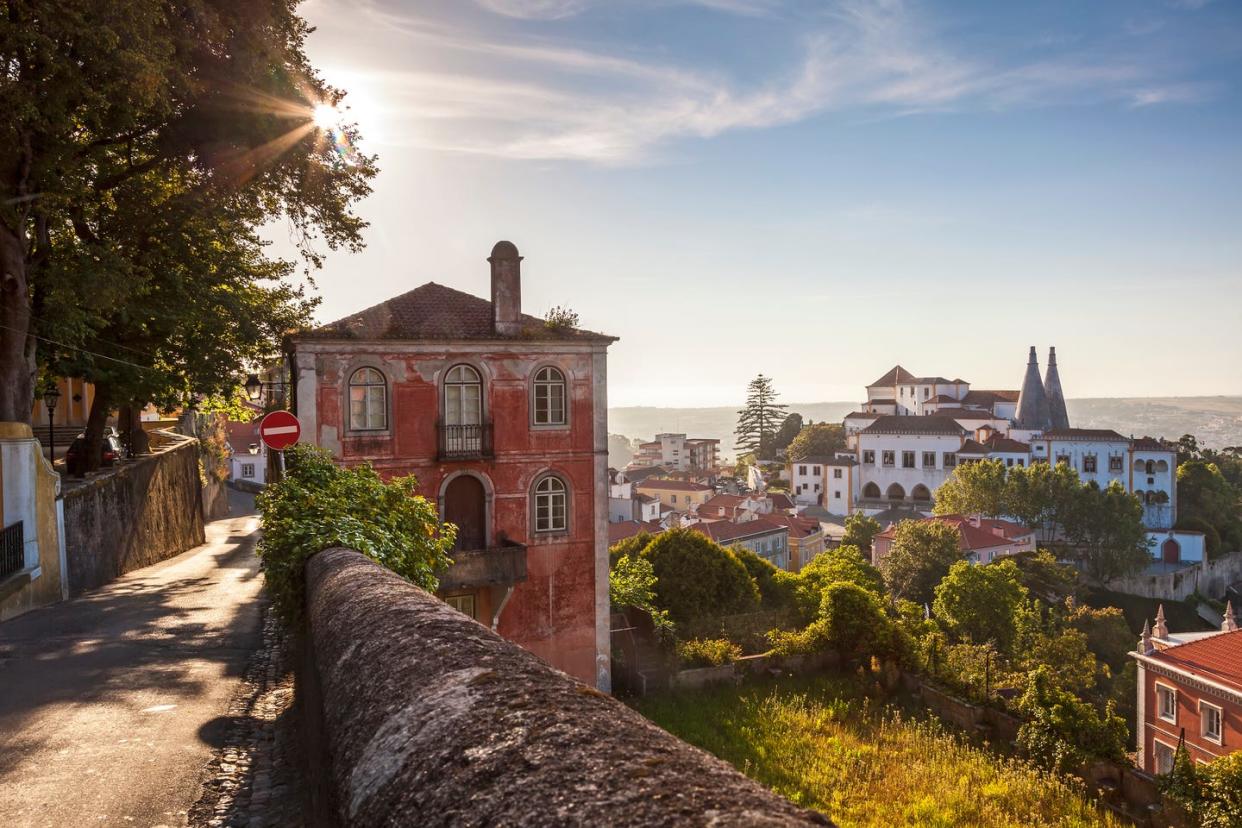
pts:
pixel 326 116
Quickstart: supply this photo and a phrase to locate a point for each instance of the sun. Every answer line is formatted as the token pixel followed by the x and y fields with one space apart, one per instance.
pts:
pixel 326 116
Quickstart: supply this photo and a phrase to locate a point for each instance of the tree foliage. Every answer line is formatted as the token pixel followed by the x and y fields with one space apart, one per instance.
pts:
pixel 1060 730
pixel 817 440
pixel 860 531
pixel 146 142
pixel 919 557
pixel 790 428
pixel 978 604
pixel 1106 532
pixel 758 422
pixel 697 578
pixel 1206 497
pixel 318 505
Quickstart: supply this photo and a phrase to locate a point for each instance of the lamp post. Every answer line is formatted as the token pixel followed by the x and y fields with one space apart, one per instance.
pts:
pixel 255 387
pixel 51 396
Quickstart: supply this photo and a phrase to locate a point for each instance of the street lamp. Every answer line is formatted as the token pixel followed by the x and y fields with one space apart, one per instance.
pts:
pixel 254 387
pixel 51 396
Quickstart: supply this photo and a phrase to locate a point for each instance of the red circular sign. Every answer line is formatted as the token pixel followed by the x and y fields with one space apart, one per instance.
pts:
pixel 279 430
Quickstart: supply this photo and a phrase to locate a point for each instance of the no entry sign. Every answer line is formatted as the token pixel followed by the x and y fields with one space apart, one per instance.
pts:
pixel 279 430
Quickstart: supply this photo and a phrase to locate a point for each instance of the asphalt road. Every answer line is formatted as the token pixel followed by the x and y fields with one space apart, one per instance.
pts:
pixel 111 704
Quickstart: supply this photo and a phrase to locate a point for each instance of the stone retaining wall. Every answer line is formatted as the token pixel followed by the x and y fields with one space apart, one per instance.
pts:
pixel 424 717
pixel 144 511
pixel 1210 578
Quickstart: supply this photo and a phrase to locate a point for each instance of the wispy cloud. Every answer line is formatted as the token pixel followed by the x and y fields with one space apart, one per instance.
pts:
pixel 515 95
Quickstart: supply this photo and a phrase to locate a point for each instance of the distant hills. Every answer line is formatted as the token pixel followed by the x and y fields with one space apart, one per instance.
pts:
pixel 1216 421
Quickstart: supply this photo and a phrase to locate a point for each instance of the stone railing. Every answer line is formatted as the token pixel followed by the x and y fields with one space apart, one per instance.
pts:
pixel 418 715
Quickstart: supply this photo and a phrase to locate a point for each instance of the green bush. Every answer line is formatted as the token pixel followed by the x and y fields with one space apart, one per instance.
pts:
pixel 708 652
pixel 318 505
pixel 631 583
pixel 1061 731
pixel 698 579
pixel 776 586
pixel 842 564
pixel 852 622
pixel 630 547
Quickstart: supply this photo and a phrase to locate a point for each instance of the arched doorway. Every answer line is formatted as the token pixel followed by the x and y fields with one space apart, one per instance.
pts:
pixel 871 491
pixel 465 505
pixel 1170 551
pixel 896 492
pixel 920 493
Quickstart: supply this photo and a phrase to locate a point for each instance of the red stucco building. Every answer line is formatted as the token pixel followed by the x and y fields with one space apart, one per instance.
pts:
pixel 504 421
pixel 1189 688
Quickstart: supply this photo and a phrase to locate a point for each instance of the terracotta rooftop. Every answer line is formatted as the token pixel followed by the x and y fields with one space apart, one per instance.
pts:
pixel 913 424
pixel 982 396
pixel 1215 657
pixel 824 460
pixel 967 414
pixel 1153 444
pixel 1083 434
pixel 673 485
pixel 724 531
pixel 896 375
pixel 629 528
pixel 999 442
pixel 862 415
pixel 799 527
pixel 242 435
pixel 971 538
pixel 435 312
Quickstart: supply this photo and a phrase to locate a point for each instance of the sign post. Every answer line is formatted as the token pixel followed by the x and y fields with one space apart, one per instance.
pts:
pixel 278 430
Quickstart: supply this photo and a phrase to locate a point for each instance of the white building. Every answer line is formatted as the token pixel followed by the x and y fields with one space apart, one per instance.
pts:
pixel 247 454
pixel 912 432
pixel 824 481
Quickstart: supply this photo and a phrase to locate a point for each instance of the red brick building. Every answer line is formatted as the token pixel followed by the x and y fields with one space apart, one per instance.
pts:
pixel 1189 687
pixel 504 421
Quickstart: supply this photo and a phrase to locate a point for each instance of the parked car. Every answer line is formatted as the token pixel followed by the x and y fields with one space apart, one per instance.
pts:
pixel 76 455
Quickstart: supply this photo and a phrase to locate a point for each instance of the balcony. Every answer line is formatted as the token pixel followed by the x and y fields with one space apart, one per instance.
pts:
pixel 464 442
pixel 503 565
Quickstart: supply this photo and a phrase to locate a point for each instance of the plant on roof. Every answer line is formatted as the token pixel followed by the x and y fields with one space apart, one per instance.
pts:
pixel 560 319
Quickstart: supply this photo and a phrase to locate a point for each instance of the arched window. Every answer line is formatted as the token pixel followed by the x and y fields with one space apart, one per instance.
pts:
pixel 920 492
pixel 871 490
pixel 368 400
pixel 1151 466
pixel 549 397
pixel 896 492
pixel 551 505
pixel 463 397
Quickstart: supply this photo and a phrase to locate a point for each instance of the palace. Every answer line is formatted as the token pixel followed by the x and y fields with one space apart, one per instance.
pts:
pixel 912 431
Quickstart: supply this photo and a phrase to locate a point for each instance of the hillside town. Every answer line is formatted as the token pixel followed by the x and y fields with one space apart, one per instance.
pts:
pixel 319 503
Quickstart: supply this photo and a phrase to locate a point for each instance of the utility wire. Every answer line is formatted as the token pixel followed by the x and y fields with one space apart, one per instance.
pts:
pixel 83 350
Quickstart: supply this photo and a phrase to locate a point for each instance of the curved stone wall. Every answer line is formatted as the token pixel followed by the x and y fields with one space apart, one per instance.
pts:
pixel 425 717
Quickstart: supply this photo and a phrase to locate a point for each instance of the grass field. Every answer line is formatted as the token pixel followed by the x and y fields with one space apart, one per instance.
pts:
pixel 815 741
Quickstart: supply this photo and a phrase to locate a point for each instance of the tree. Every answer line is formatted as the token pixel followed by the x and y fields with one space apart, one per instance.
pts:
pixel 817 440
pixel 1106 532
pixel 697 578
pixel 851 621
pixel 1060 731
pixel 790 428
pixel 1105 631
pixel 317 505
pixel 776 586
pixel 920 556
pixel 145 142
pixel 978 604
pixel 758 421
pixel 973 489
pixel 844 564
pixel 860 531
pixel 1203 494
pixel 631 583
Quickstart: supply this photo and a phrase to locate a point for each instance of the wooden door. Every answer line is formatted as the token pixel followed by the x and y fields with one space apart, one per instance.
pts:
pixel 465 504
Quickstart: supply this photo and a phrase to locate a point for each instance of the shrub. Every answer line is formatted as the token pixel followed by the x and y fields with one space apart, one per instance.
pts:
pixel 697 578
pixel 560 319
pixel 1061 731
pixel 708 652
pixel 776 586
pixel 631 546
pixel 979 603
pixel 318 505
pixel 842 564
pixel 854 623
pixel 631 583
pixel 920 556
pixel 1222 792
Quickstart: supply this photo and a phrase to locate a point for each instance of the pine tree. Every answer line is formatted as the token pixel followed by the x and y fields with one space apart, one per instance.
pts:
pixel 758 422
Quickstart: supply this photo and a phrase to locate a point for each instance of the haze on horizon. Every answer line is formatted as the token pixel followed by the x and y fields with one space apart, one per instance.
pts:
pixel 814 190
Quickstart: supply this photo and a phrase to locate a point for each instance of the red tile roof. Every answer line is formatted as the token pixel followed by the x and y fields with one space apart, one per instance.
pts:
pixel 913 424
pixel 673 485
pixel 436 312
pixel 896 375
pixel 242 435
pixel 1153 444
pixel 1215 657
pixel 971 538
pixel 862 415
pixel 1082 434
pixel 780 500
pixel 999 442
pixel 799 527
pixel 629 528
pixel 989 397
pixel 723 531
pixel 967 414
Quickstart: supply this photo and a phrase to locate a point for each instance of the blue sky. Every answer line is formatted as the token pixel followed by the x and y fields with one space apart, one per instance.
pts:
pixel 815 190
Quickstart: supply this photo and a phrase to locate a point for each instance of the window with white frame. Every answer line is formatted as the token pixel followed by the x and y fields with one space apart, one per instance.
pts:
pixel 550 397
pixel 1166 703
pixel 551 512
pixel 890 458
pixel 1210 719
pixel 907 459
pixel 247 469
pixel 836 474
pixel 1164 757
pixel 463 397
pixel 929 459
pixel 869 458
pixel 950 459
pixel 368 400
pixel 461 603
pixel 1115 463
pixel 1089 463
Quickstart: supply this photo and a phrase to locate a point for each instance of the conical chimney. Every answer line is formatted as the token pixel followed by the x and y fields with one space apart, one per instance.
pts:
pixel 1052 390
pixel 1032 402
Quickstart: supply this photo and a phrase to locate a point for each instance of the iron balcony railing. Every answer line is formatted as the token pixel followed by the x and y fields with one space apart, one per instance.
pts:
pixel 12 549
pixel 464 442
pixel 503 565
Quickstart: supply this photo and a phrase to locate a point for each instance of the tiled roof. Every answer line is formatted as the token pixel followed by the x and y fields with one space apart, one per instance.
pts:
pixel 862 415
pixel 970 538
pixel 967 414
pixel 998 442
pixel 824 460
pixel 629 528
pixel 896 375
pixel 942 398
pixel 1083 434
pixel 988 397
pixel 780 500
pixel 642 498
pixel 1008 528
pixel 723 531
pixel 799 527
pixel 913 424
pixel 972 447
pixel 881 401
pixel 640 473
pixel 1214 657
pixel 435 312
pixel 673 486
pixel 931 381
pixel 1153 444
pixel 243 435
